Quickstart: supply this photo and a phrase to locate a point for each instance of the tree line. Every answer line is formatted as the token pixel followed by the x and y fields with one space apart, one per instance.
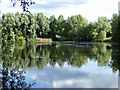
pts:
pixel 75 28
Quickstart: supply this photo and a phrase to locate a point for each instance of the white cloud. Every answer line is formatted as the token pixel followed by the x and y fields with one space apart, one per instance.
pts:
pixel 92 9
pixel 73 82
pixel 5 1
pixel 41 2
pixel 37 1
pixel 57 77
pixel 13 10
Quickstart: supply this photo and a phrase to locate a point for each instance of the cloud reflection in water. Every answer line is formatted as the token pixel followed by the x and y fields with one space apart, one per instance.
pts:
pixel 72 77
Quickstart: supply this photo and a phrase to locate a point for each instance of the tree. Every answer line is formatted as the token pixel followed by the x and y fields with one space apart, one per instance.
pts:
pixel 24 4
pixel 43 26
pixel 53 27
pixel 91 31
pixel 8 26
pixel 60 19
pixel 61 32
pixel 78 26
pixel 116 28
pixel 103 27
pixel 14 79
pixel 31 31
pixel 17 29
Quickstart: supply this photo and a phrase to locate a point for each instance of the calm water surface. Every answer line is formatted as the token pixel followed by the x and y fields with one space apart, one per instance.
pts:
pixel 61 65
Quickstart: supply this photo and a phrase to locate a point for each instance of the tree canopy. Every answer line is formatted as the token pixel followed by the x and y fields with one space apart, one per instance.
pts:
pixel 75 28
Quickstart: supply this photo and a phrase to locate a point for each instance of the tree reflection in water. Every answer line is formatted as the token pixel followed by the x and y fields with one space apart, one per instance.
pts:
pixel 14 79
pixel 12 76
pixel 115 62
pixel 32 55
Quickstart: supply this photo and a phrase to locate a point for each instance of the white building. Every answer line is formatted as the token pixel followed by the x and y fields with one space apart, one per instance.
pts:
pixel 119 7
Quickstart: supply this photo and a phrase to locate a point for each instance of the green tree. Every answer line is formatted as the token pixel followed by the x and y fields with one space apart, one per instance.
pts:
pixel 103 27
pixel 53 27
pixel 24 25
pixel 8 25
pixel 116 28
pixel 31 31
pixel 61 28
pixel 43 26
pixel 78 26
pixel 91 31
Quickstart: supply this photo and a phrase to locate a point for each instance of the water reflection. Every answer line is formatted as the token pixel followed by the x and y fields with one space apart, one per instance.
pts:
pixel 14 79
pixel 31 55
pixel 115 62
pixel 54 58
pixel 73 77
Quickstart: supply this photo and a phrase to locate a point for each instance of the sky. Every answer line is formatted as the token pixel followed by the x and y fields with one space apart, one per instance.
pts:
pixel 90 9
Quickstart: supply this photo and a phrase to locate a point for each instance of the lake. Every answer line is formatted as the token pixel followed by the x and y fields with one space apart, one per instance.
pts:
pixel 60 65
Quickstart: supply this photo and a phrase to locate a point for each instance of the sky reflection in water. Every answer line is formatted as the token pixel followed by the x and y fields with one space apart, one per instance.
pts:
pixel 88 76
pixel 65 65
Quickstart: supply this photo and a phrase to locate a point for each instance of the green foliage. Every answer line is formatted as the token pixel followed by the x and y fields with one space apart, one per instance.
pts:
pixel 21 41
pixel 115 28
pixel 115 62
pixel 53 27
pixel 14 79
pixel 26 25
pixel 78 26
pixel 42 25
pixel 103 27
pixel 75 28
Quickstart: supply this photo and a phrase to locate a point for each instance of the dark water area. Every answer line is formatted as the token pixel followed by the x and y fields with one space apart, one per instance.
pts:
pixel 60 65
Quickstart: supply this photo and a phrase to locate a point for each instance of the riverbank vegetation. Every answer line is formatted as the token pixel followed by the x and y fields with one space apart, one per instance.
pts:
pixel 75 28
